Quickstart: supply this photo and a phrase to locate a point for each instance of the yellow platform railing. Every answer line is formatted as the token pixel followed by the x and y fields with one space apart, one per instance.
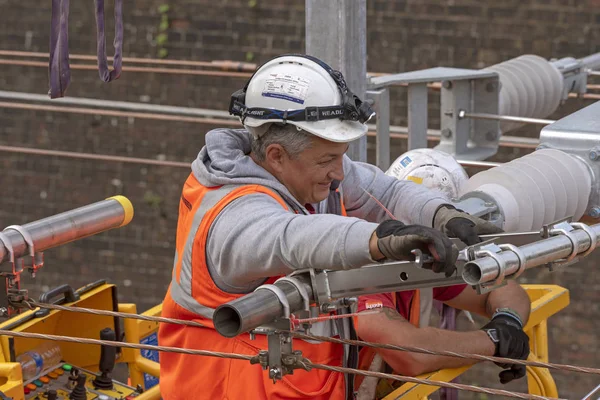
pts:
pixel 546 300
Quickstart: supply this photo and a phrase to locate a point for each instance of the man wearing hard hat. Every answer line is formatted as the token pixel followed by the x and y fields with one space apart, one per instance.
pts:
pixel 278 196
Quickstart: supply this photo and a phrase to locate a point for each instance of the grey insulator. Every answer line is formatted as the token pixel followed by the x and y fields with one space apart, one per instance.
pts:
pixel 537 189
pixel 530 86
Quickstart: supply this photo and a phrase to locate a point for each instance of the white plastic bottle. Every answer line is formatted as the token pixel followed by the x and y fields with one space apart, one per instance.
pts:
pixel 38 359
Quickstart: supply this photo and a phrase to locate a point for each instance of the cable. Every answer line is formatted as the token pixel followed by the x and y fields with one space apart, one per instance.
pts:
pixel 306 364
pixel 562 367
pixel 450 385
pixel 225 64
pixel 558 367
pixel 94 311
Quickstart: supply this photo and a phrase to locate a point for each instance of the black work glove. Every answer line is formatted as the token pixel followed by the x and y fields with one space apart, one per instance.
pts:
pixel 396 241
pixel 459 224
pixel 511 342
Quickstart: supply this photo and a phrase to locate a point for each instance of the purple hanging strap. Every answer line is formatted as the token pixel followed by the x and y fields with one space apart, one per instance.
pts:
pixel 105 74
pixel 59 71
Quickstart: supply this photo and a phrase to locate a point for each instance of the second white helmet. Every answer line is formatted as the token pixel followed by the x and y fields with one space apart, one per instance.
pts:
pixel 303 91
pixel 431 168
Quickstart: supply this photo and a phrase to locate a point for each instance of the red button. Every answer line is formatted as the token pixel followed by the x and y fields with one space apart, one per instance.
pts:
pixel 26 390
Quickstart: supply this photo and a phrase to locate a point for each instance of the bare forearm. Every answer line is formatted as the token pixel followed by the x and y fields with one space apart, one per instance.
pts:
pixel 510 296
pixel 389 327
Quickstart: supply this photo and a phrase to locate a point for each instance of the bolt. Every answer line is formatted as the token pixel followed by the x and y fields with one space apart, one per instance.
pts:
pixel 325 308
pixel 594 212
pixel 447 84
pixel 491 86
pixel 447 133
pixel 491 136
pixel 594 154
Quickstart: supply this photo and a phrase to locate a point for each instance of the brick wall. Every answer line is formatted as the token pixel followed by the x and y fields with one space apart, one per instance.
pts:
pixel 402 36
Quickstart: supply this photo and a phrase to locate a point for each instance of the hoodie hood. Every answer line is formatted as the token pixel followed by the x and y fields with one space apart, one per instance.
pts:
pixel 225 160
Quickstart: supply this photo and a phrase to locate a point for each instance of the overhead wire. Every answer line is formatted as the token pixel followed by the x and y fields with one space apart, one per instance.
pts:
pixel 306 364
pixel 562 367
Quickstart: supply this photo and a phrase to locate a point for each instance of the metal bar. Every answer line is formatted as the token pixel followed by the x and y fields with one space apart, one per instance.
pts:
pixel 69 226
pixel 486 269
pixel 397 132
pixel 117 105
pixel 391 277
pixel 594 73
pixel 417 116
pixel 592 61
pixel 336 32
pixel 478 164
pixel 588 396
pixel 536 121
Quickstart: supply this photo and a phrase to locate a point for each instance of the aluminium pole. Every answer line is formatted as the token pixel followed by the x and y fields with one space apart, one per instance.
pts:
pixel 336 32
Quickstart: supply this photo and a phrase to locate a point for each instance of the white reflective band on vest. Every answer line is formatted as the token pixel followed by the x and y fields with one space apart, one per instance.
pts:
pixel 181 292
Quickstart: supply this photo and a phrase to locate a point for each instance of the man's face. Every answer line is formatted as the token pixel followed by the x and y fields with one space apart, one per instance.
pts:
pixel 308 177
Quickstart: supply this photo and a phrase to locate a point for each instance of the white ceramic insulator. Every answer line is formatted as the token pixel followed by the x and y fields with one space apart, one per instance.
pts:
pixel 537 189
pixel 530 86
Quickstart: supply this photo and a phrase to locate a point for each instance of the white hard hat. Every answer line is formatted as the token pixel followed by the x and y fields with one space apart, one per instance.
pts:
pixel 303 91
pixel 431 168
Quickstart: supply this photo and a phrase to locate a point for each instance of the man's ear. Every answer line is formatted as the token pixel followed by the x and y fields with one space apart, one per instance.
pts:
pixel 275 157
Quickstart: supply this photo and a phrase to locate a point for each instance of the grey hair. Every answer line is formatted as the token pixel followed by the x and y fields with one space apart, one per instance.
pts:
pixel 291 138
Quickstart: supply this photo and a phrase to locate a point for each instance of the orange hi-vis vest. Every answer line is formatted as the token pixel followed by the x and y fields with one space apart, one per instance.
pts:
pixel 193 295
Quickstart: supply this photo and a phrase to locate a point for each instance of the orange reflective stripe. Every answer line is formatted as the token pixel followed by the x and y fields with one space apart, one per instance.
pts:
pixel 199 286
pixel 192 195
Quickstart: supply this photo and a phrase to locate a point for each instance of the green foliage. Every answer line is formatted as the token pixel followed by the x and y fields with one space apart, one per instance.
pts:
pixel 163 27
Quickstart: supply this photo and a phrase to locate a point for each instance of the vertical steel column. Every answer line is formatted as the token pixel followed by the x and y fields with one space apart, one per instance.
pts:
pixel 417 116
pixel 381 106
pixel 336 32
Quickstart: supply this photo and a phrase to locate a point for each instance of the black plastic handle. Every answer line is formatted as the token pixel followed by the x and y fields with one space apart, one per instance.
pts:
pixel 65 290
pixel 108 354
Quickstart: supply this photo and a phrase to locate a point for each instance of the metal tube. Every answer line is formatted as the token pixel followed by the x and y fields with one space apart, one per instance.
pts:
pixel 257 308
pixel 344 24
pixel 536 121
pixel 486 269
pixel 68 226
pixel 117 105
pixel 592 61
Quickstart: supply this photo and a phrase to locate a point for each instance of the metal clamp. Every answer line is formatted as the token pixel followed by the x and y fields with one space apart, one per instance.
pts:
pixel 26 236
pixel 572 239
pixel 590 233
pixel 280 295
pixel 36 262
pixel 8 245
pixel 499 260
pixel 520 256
pixel 301 289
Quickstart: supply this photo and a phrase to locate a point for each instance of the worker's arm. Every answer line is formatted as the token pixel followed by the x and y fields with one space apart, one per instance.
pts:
pixel 409 202
pixel 512 296
pixel 390 327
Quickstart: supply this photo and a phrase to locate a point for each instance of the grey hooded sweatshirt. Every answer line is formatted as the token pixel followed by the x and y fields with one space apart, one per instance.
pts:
pixel 254 237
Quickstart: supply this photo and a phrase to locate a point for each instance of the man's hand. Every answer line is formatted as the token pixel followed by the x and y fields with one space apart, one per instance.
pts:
pixel 511 342
pixel 396 241
pixel 461 225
